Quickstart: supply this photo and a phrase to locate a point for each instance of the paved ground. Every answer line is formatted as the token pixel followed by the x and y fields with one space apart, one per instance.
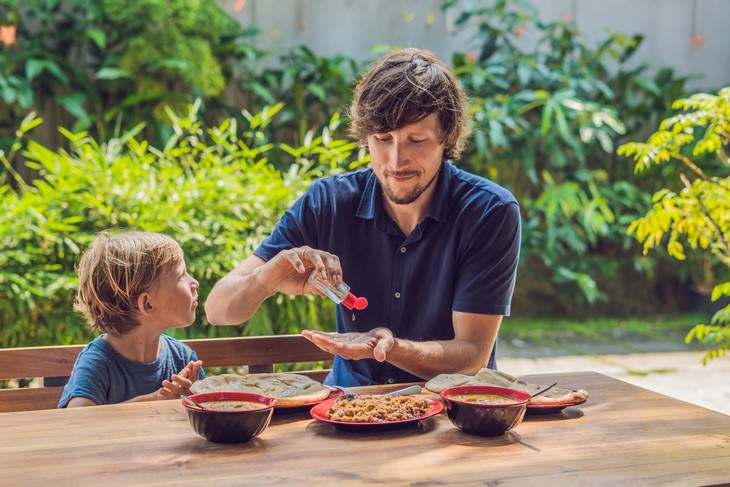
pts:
pixel 677 374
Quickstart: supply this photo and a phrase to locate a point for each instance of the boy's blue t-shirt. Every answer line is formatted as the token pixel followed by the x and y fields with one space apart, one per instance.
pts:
pixel 106 377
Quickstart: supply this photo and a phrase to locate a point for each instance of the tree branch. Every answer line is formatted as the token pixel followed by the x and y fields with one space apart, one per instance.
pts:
pixel 691 165
pixel 718 231
pixel 723 155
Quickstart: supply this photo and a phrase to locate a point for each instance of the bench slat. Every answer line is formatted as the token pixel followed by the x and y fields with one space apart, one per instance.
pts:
pixel 16 363
pixel 29 399
pixel 218 352
pixel 259 353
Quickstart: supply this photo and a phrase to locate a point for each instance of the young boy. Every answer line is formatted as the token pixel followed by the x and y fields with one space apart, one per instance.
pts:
pixel 133 287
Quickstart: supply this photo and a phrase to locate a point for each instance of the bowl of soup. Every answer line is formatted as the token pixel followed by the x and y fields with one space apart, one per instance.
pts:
pixel 229 417
pixel 485 410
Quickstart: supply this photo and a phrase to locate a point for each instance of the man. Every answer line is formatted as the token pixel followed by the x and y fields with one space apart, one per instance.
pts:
pixel 433 248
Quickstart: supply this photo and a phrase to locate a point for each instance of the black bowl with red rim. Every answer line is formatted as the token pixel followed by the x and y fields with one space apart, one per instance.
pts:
pixel 229 417
pixel 485 416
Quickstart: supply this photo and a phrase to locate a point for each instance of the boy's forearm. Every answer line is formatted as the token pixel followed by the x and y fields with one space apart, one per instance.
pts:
pixel 152 396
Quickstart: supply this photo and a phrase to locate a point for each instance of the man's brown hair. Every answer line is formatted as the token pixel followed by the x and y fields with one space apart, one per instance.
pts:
pixel 404 87
pixel 115 271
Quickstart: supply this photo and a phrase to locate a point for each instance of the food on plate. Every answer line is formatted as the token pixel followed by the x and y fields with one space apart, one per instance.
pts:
pixel 483 398
pixel 556 395
pixel 233 405
pixel 378 409
pixel 287 389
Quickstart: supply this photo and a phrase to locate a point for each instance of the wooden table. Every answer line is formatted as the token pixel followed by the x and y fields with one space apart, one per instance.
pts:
pixel 624 435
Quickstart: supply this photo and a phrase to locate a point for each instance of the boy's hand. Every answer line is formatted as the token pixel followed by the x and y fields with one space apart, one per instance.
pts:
pixel 181 382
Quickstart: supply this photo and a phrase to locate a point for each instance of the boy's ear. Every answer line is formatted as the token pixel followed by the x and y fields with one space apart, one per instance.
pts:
pixel 143 304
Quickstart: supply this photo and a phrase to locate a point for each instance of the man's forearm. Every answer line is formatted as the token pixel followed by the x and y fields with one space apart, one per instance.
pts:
pixel 235 298
pixel 428 359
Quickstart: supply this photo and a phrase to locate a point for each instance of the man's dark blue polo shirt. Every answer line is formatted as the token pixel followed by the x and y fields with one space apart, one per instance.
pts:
pixel 461 257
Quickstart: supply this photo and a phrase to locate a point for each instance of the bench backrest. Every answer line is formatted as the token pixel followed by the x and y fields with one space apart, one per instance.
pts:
pixel 258 353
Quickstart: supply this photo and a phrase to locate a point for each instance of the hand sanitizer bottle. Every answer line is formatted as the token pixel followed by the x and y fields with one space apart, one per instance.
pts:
pixel 340 293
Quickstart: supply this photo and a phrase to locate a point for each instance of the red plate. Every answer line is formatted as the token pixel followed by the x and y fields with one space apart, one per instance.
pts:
pixel 549 408
pixel 319 412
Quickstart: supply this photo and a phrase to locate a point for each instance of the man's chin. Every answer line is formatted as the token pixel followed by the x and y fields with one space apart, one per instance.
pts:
pixel 403 199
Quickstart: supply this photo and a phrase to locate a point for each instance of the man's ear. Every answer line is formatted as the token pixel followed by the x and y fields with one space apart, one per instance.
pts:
pixel 144 307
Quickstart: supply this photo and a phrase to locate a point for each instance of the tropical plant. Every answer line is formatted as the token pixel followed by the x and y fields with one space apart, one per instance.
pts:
pixel 548 115
pixel 697 213
pixel 213 190
pixel 313 88
pixel 115 63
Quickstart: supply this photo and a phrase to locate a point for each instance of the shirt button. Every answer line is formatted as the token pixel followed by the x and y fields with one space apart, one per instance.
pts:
pixel 402 250
pixel 390 380
pixel 397 295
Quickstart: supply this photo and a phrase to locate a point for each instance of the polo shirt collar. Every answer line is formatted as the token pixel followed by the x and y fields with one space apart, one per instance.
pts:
pixel 439 207
pixel 371 201
pixel 370 194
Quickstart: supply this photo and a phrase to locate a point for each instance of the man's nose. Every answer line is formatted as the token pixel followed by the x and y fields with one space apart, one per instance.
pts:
pixel 400 156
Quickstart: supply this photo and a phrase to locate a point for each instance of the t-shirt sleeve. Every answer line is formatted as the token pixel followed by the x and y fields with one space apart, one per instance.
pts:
pixel 488 269
pixel 89 379
pixel 297 226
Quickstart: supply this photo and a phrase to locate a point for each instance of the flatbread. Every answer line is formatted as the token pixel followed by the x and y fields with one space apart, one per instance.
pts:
pixel 556 395
pixel 287 389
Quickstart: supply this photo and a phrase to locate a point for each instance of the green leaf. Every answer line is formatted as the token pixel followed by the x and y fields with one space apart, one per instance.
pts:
pixel 720 290
pixel 98 36
pixel 33 68
pixel 30 122
pixel 36 66
pixel 169 63
pixel 112 73
pixel 318 91
pixel 264 93
pixel 74 104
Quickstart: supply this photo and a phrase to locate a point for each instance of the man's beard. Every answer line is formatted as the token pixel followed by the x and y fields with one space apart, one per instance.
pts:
pixel 408 198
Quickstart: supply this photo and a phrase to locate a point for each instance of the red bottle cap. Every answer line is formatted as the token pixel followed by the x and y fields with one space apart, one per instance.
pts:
pixel 351 301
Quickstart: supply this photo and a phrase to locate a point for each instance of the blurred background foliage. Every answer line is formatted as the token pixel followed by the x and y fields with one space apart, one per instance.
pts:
pixel 156 139
pixel 213 190
pixel 694 212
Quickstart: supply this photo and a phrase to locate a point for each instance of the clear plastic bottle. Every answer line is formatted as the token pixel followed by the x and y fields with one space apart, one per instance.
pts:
pixel 339 293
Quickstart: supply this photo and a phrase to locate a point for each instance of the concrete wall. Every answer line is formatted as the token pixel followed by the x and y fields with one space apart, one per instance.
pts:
pixel 351 27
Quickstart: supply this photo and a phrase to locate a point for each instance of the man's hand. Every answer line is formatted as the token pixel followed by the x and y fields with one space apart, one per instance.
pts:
pixel 289 270
pixel 180 383
pixel 374 344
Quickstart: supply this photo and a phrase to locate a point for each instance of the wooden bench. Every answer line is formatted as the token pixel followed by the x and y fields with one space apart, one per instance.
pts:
pixel 260 354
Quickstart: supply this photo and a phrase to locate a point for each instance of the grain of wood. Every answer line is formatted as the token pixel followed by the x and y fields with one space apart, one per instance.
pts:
pixel 623 435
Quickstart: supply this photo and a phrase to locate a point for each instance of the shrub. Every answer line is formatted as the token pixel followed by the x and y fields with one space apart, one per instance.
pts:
pixel 548 114
pixel 698 212
pixel 214 191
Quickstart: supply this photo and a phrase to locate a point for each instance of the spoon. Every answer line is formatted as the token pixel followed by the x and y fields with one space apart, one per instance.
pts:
pixel 543 390
pixel 414 389
pixel 193 403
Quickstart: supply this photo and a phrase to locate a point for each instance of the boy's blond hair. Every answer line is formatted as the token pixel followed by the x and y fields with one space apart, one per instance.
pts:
pixel 115 271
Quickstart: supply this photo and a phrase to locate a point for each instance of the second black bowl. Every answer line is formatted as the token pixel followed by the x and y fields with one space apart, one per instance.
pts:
pixel 486 419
